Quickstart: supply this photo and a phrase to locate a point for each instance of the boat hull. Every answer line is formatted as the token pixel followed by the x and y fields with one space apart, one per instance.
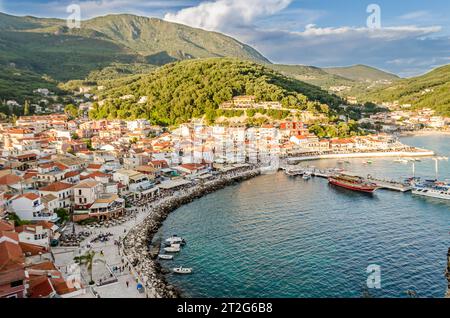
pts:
pixel 364 189
pixel 432 194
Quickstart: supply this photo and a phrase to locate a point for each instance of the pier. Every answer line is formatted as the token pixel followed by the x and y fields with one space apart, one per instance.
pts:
pixel 391 185
pixel 381 183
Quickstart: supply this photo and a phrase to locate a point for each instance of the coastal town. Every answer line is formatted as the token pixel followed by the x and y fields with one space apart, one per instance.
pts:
pixel 221 156
pixel 72 186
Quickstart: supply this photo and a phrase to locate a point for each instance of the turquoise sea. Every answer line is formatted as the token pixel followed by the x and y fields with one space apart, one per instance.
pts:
pixel 278 236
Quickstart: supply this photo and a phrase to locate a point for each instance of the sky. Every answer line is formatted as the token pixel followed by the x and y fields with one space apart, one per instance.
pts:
pixel 406 37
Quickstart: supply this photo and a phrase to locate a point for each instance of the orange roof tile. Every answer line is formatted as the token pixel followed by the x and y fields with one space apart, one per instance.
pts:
pixel 56 187
pixel 9 179
pixel 6 226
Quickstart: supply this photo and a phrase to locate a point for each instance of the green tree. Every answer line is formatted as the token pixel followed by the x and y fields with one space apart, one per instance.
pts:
pixel 26 108
pixel 63 215
pixel 71 110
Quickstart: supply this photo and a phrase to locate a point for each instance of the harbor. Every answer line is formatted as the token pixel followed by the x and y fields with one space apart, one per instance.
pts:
pixel 315 235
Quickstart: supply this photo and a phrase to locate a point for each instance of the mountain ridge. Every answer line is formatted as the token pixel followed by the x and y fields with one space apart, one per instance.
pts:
pixel 48 46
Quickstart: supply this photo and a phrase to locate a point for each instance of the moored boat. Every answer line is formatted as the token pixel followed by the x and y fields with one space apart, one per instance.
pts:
pixel 165 257
pixel 432 189
pixel 352 183
pixel 172 249
pixel 182 270
pixel 175 240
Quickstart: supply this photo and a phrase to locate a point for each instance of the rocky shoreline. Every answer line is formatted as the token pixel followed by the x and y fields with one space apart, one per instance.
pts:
pixel 135 247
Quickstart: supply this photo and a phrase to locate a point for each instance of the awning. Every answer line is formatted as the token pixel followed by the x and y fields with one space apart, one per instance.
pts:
pixel 170 184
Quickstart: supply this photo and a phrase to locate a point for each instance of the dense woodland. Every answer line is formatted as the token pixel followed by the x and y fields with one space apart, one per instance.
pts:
pixel 191 89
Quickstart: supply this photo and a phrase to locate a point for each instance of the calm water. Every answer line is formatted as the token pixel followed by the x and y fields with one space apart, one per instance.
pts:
pixel 276 236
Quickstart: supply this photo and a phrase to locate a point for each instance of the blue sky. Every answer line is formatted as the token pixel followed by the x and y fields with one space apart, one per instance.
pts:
pixel 414 36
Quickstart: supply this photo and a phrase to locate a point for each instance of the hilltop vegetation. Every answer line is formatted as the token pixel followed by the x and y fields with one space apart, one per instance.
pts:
pixel 352 81
pixel 20 84
pixel 431 90
pixel 361 73
pixel 180 91
pixel 47 46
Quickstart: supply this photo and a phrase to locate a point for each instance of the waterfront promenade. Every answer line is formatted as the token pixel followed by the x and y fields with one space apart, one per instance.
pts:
pixel 127 247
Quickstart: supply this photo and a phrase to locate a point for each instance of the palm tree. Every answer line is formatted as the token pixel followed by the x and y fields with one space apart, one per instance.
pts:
pixel 88 260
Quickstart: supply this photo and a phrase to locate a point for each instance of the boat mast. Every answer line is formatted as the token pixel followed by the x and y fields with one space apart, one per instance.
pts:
pixel 437 168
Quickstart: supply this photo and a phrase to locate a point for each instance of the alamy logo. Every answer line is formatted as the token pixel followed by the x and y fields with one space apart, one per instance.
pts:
pixel 374 19
pixel 74 19
pixel 374 278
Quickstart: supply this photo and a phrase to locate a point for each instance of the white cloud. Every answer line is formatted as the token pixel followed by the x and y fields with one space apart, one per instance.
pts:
pixel 222 15
pixel 415 15
pixel 391 33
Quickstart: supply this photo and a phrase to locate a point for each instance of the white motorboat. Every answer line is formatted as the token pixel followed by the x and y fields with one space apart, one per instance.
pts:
pixel 165 257
pixel 399 160
pixel 307 176
pixel 438 190
pixel 182 270
pixel 172 249
pixel 175 240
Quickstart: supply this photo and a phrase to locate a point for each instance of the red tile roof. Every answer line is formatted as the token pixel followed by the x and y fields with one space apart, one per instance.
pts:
pixel 32 249
pixel 56 187
pixel 9 179
pixel 39 287
pixel 11 235
pixel 6 226
pixel 11 255
pixel 29 196
pixel 71 174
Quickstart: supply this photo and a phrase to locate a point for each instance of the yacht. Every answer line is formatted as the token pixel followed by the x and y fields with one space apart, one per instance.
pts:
pixel 433 189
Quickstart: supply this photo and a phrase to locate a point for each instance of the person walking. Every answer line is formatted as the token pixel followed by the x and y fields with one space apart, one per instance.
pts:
pixel 128 283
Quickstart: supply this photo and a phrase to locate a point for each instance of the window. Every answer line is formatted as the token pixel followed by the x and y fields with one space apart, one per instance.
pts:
pixel 17 283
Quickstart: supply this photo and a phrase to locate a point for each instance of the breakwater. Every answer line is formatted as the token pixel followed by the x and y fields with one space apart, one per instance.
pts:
pixel 135 245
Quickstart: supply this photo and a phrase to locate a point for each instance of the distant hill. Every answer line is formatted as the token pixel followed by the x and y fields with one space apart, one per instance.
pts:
pixel 312 75
pixel 361 73
pixel 16 83
pixel 345 81
pixel 430 90
pixel 177 92
pixel 47 46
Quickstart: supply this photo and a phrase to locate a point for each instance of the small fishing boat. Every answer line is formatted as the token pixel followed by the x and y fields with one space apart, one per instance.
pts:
pixel 175 239
pixel 182 270
pixel 172 249
pixel 307 176
pixel 165 257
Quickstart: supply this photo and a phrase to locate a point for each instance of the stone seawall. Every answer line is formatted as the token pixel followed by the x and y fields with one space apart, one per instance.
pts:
pixel 135 247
